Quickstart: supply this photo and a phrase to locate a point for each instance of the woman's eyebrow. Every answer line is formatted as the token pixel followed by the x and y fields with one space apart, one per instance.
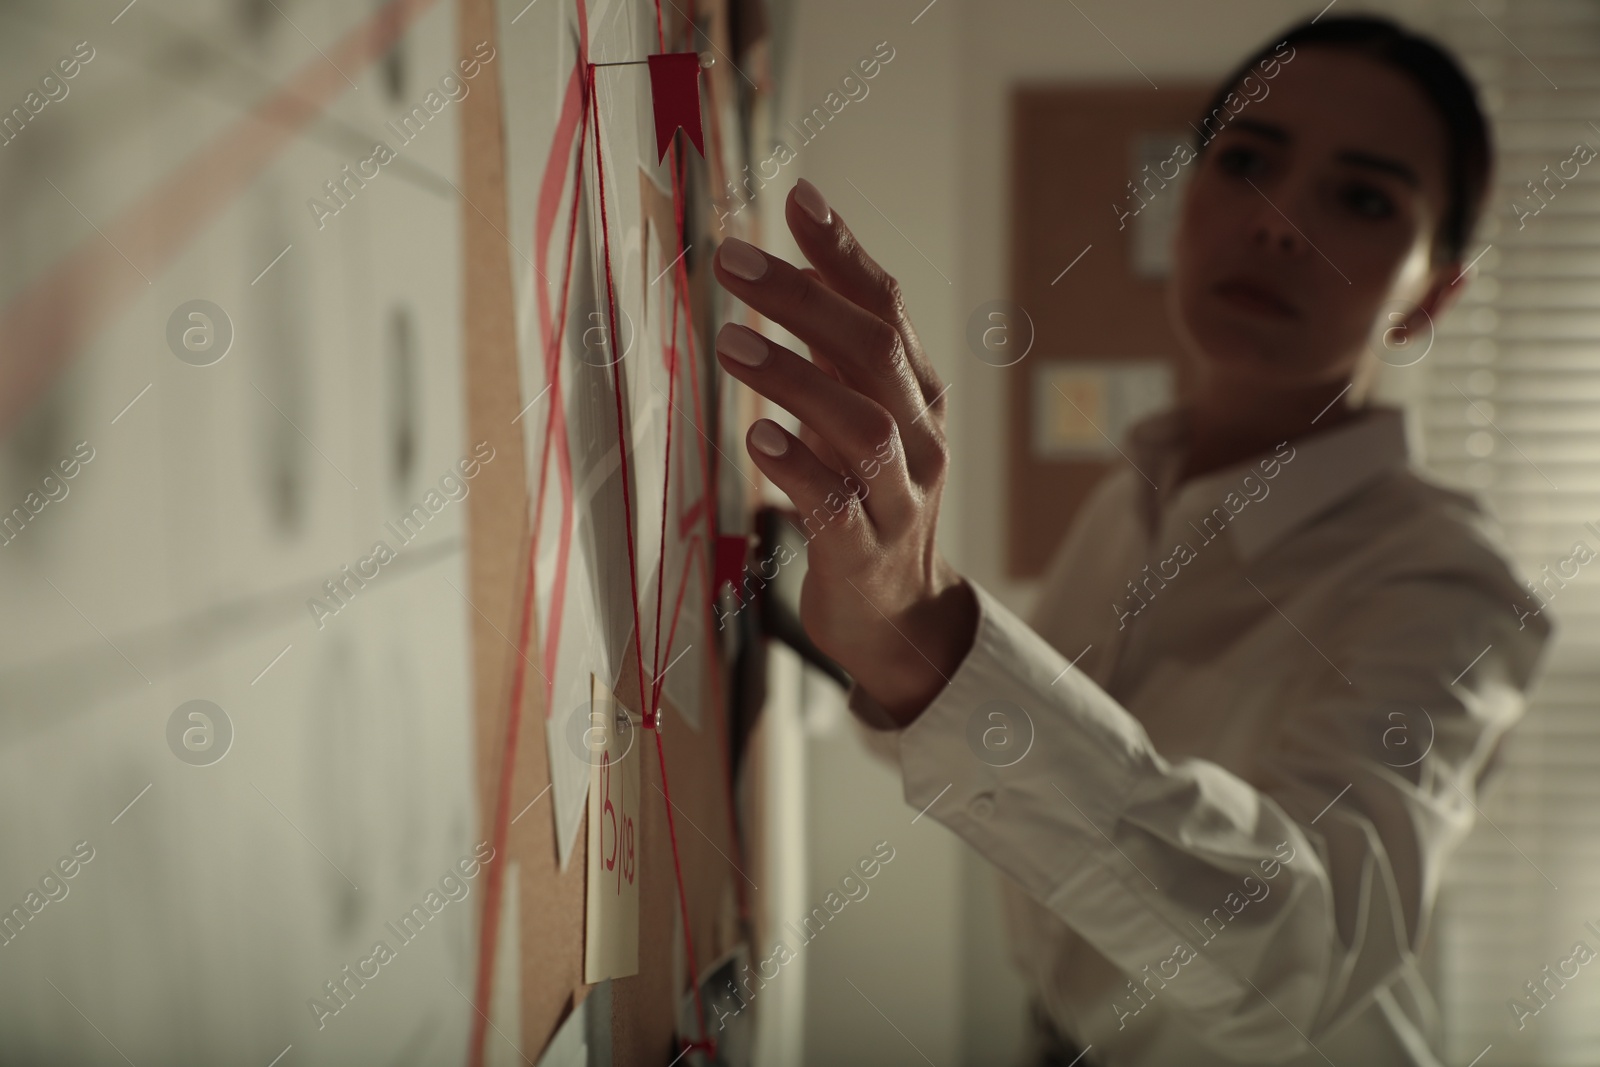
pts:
pixel 1279 135
pixel 1263 129
pixel 1383 163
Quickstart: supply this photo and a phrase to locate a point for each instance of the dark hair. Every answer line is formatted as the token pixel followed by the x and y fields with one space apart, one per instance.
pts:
pixel 1469 152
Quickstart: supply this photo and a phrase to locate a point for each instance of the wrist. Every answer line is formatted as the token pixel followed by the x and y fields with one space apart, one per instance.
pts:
pixel 923 651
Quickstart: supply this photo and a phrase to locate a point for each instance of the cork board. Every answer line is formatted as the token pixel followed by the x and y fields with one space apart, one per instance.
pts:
pixel 1074 151
pixel 644 1007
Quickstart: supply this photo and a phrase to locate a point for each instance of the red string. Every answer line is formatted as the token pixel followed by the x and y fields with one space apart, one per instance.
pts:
pixel 622 422
pixel 488 940
pixel 627 505
pixel 572 118
pixel 666 482
pixel 708 1046
pixel 573 114
pixel 710 463
pixel 502 815
pixel 708 483
pixel 681 296
pixel 682 291
pixel 680 299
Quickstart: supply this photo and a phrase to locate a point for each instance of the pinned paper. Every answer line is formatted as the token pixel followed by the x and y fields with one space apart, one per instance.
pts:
pixel 724 1017
pixel 569 1047
pixel 1083 408
pixel 675 92
pixel 611 923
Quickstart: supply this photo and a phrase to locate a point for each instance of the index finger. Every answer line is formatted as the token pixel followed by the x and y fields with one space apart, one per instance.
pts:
pixel 846 268
pixel 866 351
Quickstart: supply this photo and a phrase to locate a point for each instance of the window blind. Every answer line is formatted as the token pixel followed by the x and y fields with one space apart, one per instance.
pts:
pixel 1507 403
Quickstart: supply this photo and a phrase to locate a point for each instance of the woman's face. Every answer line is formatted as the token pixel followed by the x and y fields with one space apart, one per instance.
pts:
pixel 1325 194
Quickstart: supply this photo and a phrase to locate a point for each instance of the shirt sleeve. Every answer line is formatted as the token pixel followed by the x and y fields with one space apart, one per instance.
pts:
pixel 1324 867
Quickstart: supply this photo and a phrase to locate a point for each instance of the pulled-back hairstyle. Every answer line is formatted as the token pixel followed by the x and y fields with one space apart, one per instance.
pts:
pixel 1469 151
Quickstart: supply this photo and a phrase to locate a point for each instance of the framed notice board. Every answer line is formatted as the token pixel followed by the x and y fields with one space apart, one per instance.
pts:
pixel 1097 174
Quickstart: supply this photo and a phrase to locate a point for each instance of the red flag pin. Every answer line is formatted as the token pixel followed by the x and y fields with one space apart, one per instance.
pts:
pixel 730 553
pixel 675 93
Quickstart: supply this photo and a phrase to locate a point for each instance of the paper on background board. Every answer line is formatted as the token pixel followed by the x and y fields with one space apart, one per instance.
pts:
pixel 569 1047
pixel 611 913
pixel 685 671
pixel 641 350
pixel 1081 406
pixel 684 611
pixel 686 617
pixel 595 620
pixel 539 44
pixel 727 995
pixel 579 653
pixel 588 630
pixel 682 587
pixel 622 95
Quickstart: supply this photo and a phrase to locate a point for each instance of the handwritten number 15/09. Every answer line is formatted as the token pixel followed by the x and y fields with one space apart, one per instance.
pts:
pixel 621 835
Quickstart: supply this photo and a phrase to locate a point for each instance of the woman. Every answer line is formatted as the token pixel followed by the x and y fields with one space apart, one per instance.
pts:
pixel 1270 664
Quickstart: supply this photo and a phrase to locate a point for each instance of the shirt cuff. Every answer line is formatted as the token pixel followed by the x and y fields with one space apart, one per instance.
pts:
pixel 1019 749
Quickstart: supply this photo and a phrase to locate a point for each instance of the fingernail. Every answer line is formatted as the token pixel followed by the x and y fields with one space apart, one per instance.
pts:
pixel 769 438
pixel 742 259
pixel 809 197
pixel 741 344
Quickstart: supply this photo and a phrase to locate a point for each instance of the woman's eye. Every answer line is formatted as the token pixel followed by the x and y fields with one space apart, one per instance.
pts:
pixel 1240 161
pixel 1369 201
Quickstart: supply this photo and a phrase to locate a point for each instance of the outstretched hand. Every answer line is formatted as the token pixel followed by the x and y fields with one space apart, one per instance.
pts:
pixel 868 469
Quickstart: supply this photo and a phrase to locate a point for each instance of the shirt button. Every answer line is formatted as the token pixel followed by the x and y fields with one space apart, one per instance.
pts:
pixel 981 806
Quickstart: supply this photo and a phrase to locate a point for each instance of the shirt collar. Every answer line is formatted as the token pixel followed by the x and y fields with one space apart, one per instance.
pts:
pixel 1320 471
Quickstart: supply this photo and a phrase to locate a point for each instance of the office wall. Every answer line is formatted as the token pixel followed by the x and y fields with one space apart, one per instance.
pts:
pixel 183 559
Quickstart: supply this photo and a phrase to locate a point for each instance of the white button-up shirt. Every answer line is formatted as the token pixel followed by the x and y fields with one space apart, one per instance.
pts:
pixel 1225 759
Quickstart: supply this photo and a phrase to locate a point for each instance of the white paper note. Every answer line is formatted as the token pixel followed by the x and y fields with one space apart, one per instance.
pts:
pixel 611 923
